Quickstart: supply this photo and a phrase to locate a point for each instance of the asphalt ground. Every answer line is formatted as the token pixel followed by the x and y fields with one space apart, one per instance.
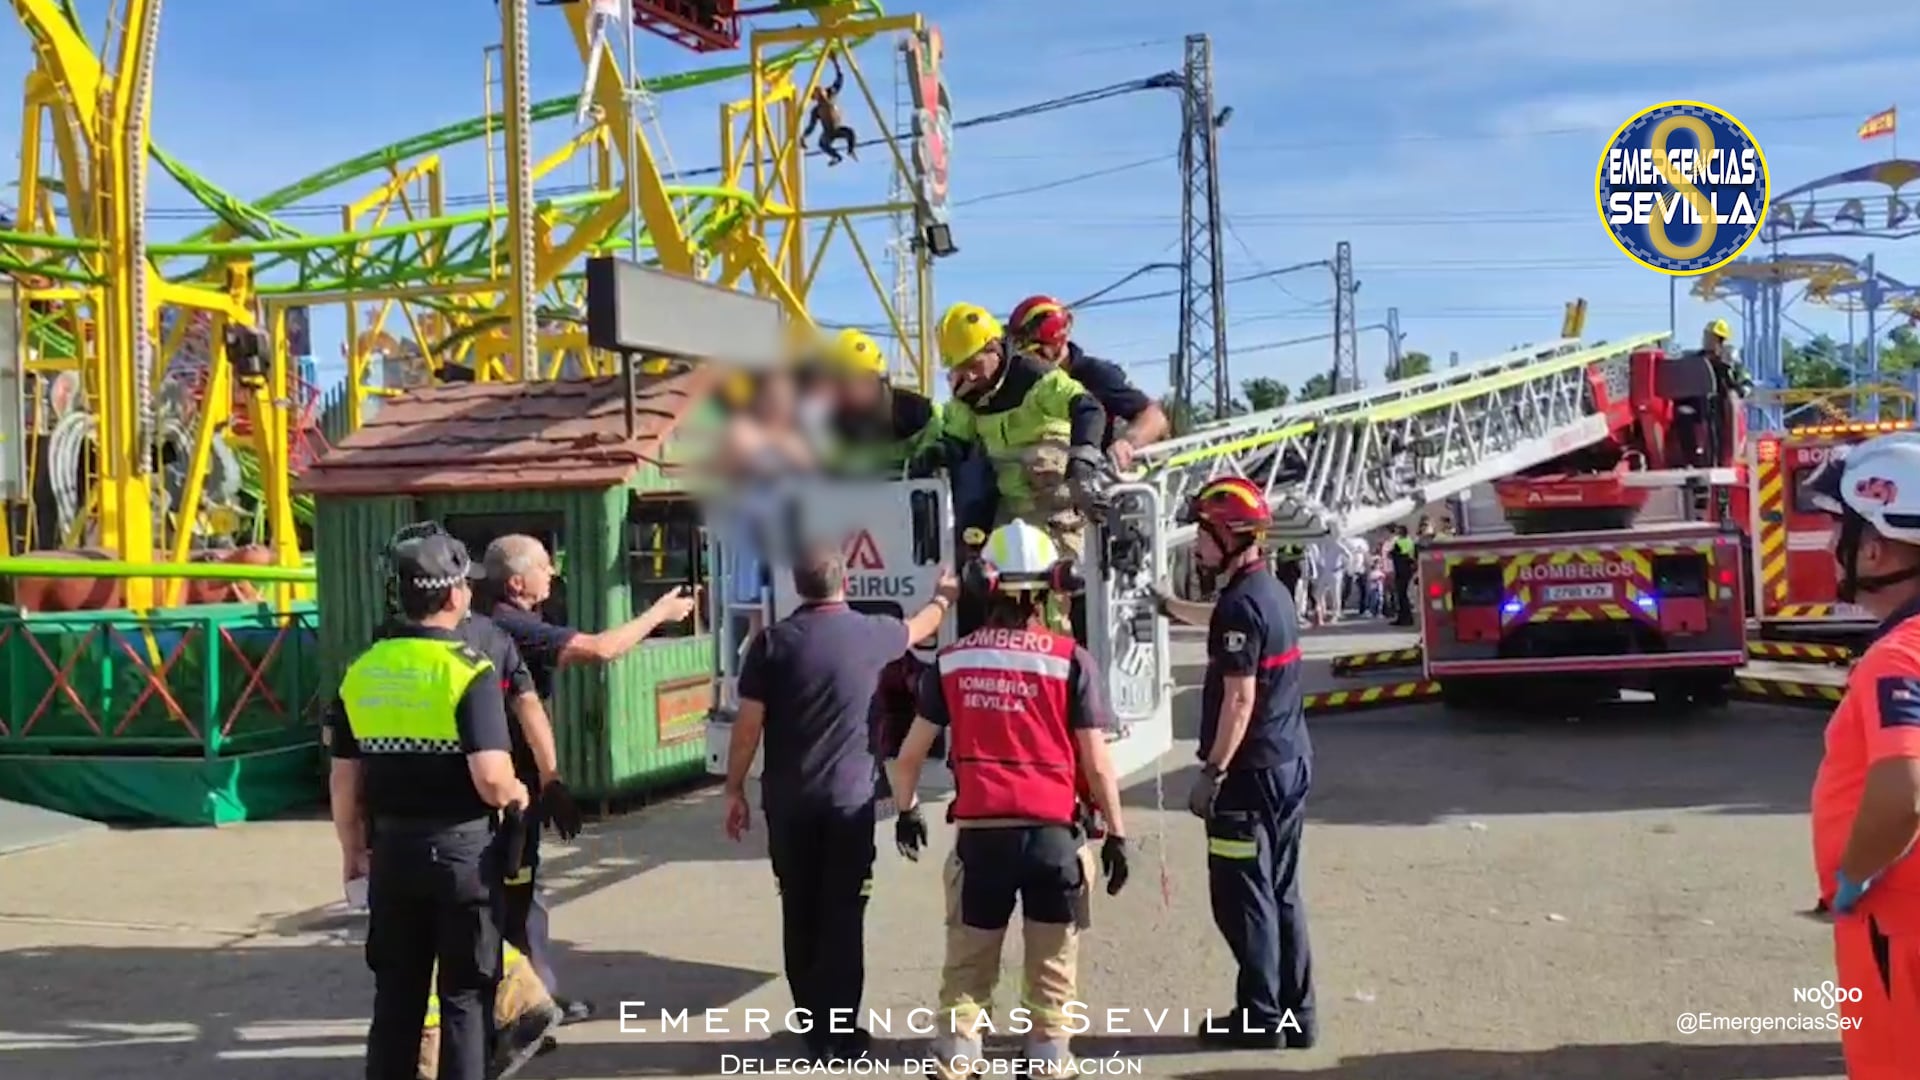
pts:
pixel 1490 896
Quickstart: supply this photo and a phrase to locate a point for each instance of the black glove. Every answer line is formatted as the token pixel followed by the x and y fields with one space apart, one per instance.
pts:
pixel 910 833
pixel 928 463
pixel 559 810
pixel 1200 799
pixel 1086 475
pixel 1113 863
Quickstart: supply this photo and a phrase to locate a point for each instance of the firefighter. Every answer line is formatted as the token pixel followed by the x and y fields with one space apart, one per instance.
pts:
pixel 422 748
pixel 1256 766
pixel 1866 795
pixel 1024 717
pixel 877 427
pixel 1043 327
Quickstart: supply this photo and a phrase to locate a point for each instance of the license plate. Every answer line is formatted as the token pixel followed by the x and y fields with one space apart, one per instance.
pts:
pixel 1560 594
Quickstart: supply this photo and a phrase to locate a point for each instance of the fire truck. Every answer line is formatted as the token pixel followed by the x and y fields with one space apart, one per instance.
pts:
pixel 1579 597
pixel 1793 574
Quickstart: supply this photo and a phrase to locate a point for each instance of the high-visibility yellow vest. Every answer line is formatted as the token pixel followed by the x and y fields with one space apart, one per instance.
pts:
pixel 401 694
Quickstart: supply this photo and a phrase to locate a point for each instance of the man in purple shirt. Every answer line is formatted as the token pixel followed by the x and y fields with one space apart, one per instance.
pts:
pixel 808 681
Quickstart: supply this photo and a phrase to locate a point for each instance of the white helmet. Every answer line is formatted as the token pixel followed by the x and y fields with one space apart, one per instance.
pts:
pixel 1877 481
pixel 1020 557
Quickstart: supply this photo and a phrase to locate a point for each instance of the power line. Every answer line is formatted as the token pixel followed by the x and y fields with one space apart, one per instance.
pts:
pixel 1065 181
pixel 1163 81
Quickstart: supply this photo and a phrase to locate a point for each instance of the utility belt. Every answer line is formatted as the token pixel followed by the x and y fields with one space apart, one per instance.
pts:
pixel 395 825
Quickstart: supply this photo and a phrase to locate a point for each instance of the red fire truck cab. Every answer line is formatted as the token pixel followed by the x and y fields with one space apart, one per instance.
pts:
pixel 1793 573
pixel 1580 599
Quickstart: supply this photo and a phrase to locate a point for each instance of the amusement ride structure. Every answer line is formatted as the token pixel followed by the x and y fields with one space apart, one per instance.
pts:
pixel 166 407
pixel 1867 203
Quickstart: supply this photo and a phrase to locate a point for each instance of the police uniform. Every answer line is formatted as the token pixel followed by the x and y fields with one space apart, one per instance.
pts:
pixel 1259 811
pixel 1403 568
pixel 415 705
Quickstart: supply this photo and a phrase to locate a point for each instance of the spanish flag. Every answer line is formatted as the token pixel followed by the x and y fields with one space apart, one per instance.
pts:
pixel 1880 123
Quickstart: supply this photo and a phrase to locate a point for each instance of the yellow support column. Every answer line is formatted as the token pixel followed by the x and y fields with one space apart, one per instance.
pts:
pixel 125 355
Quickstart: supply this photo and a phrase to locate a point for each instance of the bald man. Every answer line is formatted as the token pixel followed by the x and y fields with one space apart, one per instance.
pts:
pixel 520 571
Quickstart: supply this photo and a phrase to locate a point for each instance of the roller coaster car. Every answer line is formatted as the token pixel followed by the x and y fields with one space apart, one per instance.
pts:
pixel 701 25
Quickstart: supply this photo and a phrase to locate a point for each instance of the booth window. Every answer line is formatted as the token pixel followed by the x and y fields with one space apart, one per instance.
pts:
pixel 477 531
pixel 666 549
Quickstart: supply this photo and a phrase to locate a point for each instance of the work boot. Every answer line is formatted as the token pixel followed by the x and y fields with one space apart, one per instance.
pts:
pixel 520 1042
pixel 574 1010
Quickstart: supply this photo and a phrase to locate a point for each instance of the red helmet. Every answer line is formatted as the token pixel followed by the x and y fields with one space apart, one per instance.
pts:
pixel 1041 320
pixel 1232 504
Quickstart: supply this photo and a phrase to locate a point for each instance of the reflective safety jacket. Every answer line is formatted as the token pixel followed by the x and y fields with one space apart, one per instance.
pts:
pixel 1008 695
pixel 401 694
pixel 1034 404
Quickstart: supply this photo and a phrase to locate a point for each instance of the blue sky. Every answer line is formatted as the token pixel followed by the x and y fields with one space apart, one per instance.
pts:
pixel 1453 142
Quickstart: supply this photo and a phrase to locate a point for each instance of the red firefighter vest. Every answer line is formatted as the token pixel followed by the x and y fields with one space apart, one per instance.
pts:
pixel 1007 695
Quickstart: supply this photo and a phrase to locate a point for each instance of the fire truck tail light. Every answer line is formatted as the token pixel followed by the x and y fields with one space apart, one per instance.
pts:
pixel 1726 577
pixel 1436 590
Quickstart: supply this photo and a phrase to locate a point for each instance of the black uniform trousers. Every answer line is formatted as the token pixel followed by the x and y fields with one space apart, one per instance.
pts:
pixel 1253 869
pixel 823 861
pixel 1403 571
pixel 1036 867
pixel 434 895
pixel 526 918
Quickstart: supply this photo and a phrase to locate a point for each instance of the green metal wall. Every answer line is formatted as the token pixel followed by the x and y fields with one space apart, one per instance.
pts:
pixel 348 538
pixel 604 715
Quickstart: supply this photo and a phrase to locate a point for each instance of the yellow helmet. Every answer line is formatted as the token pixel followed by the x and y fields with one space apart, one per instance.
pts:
pixel 856 353
pixel 737 389
pixel 1719 328
pixel 965 330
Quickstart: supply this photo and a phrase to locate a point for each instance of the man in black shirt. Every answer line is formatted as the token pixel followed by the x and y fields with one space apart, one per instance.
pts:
pixel 521 573
pixel 421 748
pixel 809 681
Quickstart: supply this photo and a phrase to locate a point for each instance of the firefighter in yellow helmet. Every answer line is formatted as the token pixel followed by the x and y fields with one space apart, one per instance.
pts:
pixel 1720 408
pixel 877 427
pixel 1037 425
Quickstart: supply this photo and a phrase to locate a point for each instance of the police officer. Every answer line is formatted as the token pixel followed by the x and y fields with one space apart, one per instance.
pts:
pixel 808 681
pixel 1256 768
pixel 422 747
pixel 535 759
pixel 1025 720
pixel 1865 822
pixel 1400 552
pixel 520 572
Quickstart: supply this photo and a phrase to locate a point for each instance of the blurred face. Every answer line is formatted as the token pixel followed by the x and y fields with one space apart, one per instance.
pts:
pixel 534 582
pixel 460 599
pixel 1209 549
pixel 775 402
pixel 856 390
pixel 1052 354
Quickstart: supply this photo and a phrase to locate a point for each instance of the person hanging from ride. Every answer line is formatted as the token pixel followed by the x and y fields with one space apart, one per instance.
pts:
pixel 877 427
pixel 826 116
pixel 1037 425
pixel 1023 714
pixel 1866 794
pixel 1043 326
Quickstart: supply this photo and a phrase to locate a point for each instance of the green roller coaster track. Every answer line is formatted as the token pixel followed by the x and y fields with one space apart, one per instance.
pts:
pixel 465 247
pixel 456 247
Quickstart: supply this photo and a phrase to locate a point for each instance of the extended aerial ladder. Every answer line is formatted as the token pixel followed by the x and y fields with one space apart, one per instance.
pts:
pixel 1355 462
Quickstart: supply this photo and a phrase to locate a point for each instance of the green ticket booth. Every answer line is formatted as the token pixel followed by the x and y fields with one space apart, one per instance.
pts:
pixel 599 470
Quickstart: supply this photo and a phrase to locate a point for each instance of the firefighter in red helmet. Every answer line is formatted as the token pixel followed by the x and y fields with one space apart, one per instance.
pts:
pixel 1043 327
pixel 1256 765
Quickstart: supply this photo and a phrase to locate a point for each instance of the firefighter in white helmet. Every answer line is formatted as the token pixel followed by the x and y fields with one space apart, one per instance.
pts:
pixel 1025 724
pixel 1866 795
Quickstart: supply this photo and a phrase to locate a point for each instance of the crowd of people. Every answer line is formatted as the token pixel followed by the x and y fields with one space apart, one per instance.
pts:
pixel 1336 578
